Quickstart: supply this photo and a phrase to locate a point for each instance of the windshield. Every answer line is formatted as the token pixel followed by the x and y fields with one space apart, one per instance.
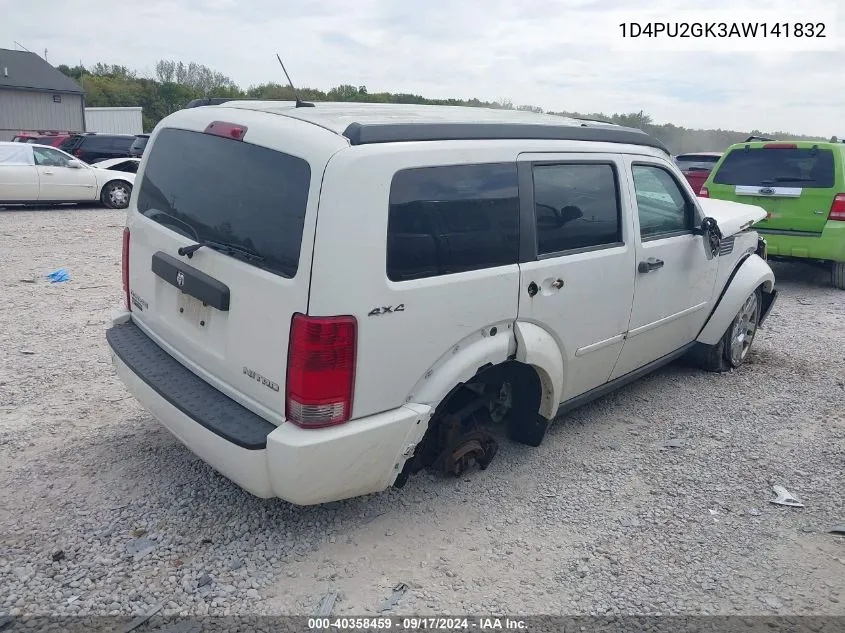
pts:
pixel 760 166
pixel 219 190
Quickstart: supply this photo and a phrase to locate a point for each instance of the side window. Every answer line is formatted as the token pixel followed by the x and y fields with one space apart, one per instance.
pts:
pixel 661 205
pixel 576 206
pixel 445 220
pixel 49 157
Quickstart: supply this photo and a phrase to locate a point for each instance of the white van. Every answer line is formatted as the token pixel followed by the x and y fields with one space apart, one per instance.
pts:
pixel 322 300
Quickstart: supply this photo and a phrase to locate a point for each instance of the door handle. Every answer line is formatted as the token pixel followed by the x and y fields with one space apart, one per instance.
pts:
pixel 652 263
pixel 47 173
pixel 557 284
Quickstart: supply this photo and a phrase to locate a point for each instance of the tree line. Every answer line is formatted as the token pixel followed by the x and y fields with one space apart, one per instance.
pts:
pixel 174 84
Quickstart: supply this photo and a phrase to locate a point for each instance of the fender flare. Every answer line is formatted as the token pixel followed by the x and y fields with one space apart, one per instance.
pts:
pixel 538 349
pixel 751 273
pixel 462 362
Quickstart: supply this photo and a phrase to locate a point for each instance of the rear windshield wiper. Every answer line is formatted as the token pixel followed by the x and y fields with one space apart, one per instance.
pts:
pixel 228 249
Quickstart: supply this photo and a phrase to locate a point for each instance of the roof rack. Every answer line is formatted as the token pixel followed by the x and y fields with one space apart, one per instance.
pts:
pixel 757 138
pixel 205 101
pixel 370 133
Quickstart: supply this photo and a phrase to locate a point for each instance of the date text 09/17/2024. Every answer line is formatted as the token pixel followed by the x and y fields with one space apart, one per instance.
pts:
pixel 419 623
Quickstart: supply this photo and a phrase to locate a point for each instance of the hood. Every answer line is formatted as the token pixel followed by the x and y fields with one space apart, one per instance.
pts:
pixel 732 217
pixel 104 175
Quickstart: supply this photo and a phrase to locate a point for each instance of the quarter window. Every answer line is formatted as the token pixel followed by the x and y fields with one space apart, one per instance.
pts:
pixel 451 219
pixel 661 205
pixel 576 206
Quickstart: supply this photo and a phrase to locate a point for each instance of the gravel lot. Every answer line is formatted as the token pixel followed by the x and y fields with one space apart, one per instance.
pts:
pixel 103 512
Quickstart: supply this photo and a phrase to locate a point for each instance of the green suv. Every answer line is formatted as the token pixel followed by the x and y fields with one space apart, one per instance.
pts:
pixel 802 187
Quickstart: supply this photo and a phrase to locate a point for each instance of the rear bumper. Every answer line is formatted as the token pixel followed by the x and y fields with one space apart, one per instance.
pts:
pixel 301 466
pixel 829 245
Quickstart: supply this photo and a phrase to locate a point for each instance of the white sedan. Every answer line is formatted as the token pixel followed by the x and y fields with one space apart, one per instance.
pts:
pixel 40 174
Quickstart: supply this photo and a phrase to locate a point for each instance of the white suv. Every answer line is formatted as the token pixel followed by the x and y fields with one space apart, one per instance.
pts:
pixel 322 300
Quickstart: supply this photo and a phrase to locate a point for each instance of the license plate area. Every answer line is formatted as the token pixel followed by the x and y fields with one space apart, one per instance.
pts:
pixel 194 311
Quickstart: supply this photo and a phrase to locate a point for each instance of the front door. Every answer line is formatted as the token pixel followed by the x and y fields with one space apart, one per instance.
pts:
pixel 577 282
pixel 58 181
pixel 674 277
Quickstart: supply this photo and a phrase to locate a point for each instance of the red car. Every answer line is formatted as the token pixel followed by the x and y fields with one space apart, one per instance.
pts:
pixel 696 167
pixel 54 139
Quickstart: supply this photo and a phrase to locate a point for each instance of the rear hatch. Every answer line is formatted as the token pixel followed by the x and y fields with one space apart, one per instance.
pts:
pixel 794 182
pixel 225 311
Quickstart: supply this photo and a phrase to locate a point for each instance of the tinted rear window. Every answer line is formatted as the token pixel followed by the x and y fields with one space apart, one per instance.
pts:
pixel 696 162
pixel 759 167
pixel 139 143
pixel 575 207
pixel 452 219
pixel 71 143
pixel 211 188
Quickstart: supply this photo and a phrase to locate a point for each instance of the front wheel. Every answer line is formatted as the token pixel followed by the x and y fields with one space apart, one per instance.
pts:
pixel 116 194
pixel 837 275
pixel 732 349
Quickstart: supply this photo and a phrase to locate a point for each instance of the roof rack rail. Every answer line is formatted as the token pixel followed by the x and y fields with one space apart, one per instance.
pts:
pixel 757 138
pixel 196 103
pixel 370 133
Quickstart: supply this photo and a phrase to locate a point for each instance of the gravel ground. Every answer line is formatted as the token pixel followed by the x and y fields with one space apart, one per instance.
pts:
pixel 103 512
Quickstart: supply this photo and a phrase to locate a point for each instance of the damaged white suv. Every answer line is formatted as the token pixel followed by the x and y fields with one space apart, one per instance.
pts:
pixel 322 300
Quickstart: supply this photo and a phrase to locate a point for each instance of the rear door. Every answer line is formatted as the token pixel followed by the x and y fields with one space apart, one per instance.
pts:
pixel 795 185
pixel 580 285
pixel 226 316
pixel 18 175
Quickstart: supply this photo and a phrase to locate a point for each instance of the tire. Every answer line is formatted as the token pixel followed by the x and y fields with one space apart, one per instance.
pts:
pixel 732 349
pixel 837 275
pixel 116 194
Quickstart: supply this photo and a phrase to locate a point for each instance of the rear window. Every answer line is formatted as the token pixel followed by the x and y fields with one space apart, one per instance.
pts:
pixel 139 143
pixel 696 162
pixel 452 219
pixel 211 188
pixel 70 143
pixel 760 167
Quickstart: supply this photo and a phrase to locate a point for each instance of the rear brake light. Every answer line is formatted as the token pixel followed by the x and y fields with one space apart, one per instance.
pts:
pixel 704 193
pixel 124 267
pixel 780 146
pixel 837 209
pixel 226 130
pixel 321 370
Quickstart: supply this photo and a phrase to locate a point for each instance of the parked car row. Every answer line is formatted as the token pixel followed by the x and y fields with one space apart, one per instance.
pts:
pixel 39 174
pixel 89 147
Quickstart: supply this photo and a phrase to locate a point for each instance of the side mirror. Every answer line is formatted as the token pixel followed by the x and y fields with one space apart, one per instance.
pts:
pixel 712 237
pixel 74 164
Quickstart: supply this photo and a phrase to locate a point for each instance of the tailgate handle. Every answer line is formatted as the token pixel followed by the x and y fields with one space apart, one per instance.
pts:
pixel 191 281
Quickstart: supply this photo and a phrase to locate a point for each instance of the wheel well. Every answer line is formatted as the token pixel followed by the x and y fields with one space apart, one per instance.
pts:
pixel 511 389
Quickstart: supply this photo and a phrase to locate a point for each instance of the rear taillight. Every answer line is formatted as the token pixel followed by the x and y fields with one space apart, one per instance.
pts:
pixel 837 209
pixel 704 193
pixel 321 370
pixel 124 267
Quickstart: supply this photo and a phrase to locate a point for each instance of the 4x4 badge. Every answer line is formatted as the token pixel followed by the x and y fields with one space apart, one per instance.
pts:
pixel 180 279
pixel 387 310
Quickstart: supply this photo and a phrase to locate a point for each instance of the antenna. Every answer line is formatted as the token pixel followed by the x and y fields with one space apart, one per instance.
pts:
pixel 22 46
pixel 299 103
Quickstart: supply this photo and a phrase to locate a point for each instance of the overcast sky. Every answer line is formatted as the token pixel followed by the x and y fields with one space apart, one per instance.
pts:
pixel 557 54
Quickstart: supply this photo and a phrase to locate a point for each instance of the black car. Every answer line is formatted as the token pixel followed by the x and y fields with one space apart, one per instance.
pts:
pixel 136 150
pixel 91 147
